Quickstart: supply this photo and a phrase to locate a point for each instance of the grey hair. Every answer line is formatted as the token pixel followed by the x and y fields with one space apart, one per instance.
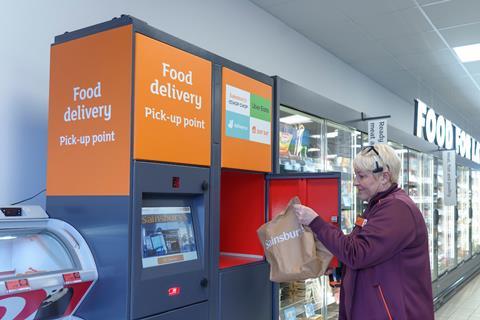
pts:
pixel 388 159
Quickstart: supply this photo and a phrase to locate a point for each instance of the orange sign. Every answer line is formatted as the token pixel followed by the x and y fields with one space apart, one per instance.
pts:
pixel 89 115
pixel 172 104
pixel 246 123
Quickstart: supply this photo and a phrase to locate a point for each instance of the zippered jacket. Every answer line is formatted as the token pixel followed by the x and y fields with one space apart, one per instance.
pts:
pixel 386 273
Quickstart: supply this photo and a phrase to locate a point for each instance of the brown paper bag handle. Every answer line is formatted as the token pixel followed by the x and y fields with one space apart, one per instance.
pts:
pixel 294 200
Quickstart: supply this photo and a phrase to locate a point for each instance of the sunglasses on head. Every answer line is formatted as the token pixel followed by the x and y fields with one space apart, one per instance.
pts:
pixel 377 168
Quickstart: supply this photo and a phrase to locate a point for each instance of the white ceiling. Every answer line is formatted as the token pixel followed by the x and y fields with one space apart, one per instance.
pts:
pixel 404 45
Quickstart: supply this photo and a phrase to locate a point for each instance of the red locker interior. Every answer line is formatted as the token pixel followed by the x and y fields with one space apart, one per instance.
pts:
pixel 242 209
pixel 242 212
pixel 320 194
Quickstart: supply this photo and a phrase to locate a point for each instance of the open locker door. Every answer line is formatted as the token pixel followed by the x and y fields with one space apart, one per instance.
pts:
pixel 321 192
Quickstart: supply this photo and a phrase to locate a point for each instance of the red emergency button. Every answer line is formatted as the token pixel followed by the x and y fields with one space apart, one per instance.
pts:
pixel 175 291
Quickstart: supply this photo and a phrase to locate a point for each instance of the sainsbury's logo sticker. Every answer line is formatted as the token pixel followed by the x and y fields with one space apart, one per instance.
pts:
pixel 237 100
pixel 285 236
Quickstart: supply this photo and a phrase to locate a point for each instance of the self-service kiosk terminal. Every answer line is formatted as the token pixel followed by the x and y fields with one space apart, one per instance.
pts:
pixel 158 154
pixel 169 262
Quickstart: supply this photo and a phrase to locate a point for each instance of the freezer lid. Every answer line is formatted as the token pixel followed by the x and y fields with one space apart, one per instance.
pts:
pixel 33 252
pixel 42 251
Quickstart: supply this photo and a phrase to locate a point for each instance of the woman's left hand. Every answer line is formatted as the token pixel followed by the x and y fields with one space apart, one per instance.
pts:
pixel 305 215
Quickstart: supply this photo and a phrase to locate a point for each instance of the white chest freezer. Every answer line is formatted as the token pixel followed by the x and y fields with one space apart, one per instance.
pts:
pixel 46 267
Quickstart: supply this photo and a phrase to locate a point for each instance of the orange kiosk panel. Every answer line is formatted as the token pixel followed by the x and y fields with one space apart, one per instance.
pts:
pixel 246 123
pixel 172 104
pixel 89 115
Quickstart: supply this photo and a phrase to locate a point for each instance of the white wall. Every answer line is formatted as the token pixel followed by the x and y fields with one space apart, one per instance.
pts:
pixel 235 29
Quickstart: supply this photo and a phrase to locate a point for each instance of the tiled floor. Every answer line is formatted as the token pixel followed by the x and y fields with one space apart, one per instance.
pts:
pixel 464 305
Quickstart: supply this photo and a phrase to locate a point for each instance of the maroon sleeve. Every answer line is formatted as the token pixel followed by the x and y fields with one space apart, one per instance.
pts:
pixel 386 232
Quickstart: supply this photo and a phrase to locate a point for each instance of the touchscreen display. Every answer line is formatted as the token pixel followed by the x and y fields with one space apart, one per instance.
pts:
pixel 167 236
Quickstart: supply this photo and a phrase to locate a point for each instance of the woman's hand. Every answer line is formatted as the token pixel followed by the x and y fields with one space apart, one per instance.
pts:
pixel 305 215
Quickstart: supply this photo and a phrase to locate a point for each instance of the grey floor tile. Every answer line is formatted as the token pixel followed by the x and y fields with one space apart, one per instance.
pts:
pixel 464 305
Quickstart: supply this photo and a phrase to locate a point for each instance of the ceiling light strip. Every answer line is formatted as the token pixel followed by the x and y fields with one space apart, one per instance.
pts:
pixel 435 2
pixel 446 44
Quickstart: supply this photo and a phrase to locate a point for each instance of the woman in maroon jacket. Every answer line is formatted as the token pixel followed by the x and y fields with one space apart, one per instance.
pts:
pixel 386 273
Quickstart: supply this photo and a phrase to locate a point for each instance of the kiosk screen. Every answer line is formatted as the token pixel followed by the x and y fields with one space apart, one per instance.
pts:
pixel 167 236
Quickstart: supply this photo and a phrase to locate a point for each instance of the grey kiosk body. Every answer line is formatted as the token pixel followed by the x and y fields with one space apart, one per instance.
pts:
pixel 125 289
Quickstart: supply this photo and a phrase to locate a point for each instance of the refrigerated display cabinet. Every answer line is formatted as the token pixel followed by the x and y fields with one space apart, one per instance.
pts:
pixel 304 297
pixel 475 211
pixel 300 142
pixel 420 189
pixel 46 267
pixel 401 152
pixel 463 214
pixel 414 176
pixel 312 298
pixel 311 144
pixel 341 145
pixel 445 224
pixel 427 203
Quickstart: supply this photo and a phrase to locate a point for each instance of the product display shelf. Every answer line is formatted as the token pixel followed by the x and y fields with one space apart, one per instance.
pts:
pixel 341 145
pixel 299 296
pixel 463 218
pixel 414 174
pixel 332 312
pixel 300 142
pixel 475 211
pixel 311 144
pixel 443 243
pixel 299 307
pixel 420 189
pixel 427 204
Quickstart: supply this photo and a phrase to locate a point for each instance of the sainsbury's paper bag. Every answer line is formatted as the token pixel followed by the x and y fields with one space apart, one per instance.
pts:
pixel 291 249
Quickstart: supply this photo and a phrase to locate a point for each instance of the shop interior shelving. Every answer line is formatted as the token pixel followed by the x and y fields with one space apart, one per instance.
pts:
pixel 463 214
pixel 445 225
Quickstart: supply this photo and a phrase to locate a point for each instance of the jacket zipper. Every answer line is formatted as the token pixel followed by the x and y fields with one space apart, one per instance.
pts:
pixel 384 303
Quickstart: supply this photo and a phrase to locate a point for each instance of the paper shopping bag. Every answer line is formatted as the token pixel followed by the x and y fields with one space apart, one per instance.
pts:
pixel 291 249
